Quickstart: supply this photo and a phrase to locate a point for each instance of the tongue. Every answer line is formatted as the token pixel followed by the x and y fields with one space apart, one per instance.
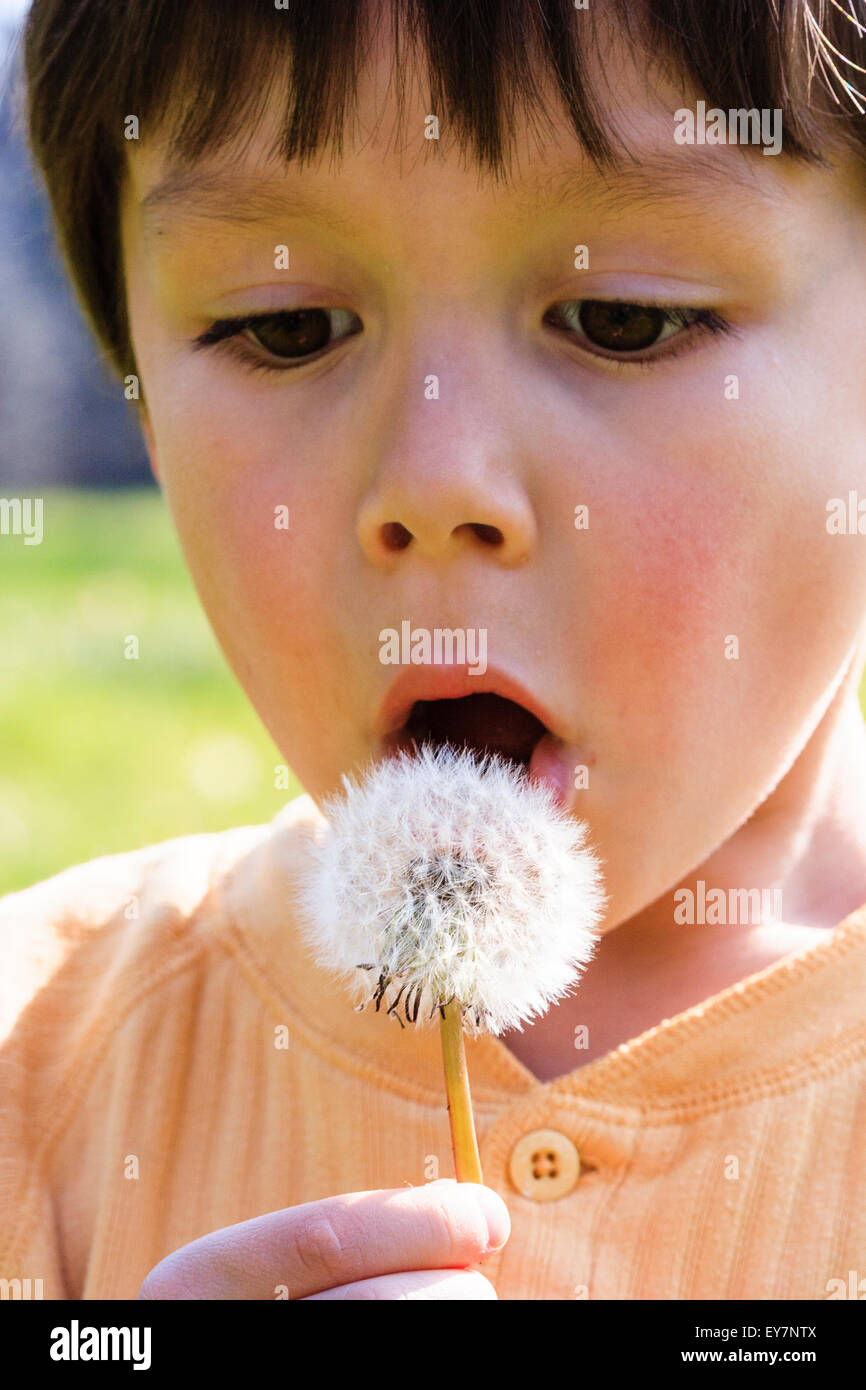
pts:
pixel 485 722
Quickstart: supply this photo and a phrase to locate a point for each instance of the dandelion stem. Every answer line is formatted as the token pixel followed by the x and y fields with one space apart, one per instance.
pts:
pixel 464 1145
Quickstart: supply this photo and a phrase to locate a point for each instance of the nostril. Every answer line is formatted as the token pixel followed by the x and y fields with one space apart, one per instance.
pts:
pixel 395 535
pixel 491 535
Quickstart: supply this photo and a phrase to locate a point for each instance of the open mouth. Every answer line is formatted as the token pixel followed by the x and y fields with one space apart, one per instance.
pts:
pixel 483 723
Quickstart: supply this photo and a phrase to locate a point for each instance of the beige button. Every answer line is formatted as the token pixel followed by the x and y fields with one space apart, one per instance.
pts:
pixel 544 1165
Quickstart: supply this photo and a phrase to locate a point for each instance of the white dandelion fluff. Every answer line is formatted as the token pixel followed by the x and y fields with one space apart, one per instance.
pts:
pixel 444 875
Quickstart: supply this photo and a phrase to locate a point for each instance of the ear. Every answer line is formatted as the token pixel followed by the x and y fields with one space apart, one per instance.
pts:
pixel 147 431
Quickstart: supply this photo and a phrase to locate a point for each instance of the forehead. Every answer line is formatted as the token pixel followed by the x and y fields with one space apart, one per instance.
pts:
pixel 386 145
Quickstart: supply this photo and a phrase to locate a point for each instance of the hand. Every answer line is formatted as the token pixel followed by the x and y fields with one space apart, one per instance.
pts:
pixel 397 1243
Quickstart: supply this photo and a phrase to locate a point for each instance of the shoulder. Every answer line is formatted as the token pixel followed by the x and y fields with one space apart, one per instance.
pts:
pixel 66 937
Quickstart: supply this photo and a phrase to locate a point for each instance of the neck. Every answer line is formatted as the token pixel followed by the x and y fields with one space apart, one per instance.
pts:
pixel 809 836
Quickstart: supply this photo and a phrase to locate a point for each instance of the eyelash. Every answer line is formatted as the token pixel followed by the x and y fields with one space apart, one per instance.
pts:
pixel 225 335
pixel 694 321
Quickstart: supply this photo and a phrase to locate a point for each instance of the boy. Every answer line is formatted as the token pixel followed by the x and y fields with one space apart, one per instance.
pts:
pixel 597 389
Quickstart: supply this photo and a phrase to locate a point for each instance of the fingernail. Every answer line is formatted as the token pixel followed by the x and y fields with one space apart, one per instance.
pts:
pixel 497 1217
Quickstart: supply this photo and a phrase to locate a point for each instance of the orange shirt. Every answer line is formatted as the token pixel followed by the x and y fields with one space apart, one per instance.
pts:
pixel 173 1062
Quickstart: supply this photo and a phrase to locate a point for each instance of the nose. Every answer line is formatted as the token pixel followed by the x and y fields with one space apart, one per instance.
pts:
pixel 446 481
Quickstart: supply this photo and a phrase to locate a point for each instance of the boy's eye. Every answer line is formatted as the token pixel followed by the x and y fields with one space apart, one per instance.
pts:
pixel 619 328
pixel 288 337
pixel 298 333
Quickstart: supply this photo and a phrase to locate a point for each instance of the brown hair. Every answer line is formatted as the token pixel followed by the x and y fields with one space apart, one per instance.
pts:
pixel 199 70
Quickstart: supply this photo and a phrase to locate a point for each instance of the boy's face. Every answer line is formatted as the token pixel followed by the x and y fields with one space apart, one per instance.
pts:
pixel 684 640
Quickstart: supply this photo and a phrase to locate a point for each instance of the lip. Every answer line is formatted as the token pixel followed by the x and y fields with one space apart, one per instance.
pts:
pixel 554 756
pixel 450 683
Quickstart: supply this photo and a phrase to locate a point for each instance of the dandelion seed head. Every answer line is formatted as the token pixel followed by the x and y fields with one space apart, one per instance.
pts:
pixel 445 874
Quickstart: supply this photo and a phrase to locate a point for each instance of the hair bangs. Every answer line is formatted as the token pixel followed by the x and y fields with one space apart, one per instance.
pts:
pixel 202 73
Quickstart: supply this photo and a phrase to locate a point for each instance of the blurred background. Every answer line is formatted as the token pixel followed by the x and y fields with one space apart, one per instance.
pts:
pixel 98 753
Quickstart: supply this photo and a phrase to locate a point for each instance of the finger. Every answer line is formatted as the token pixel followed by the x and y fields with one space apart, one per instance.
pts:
pixel 338 1240
pixel 418 1283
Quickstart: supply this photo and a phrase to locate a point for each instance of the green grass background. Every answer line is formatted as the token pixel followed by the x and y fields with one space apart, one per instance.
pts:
pixel 99 753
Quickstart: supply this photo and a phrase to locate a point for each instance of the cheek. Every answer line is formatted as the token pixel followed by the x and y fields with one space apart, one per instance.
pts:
pixel 261 537
pixel 658 609
pixel 714 605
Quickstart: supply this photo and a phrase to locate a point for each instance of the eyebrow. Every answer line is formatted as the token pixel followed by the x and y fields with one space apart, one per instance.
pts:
pixel 248 199
pixel 655 181
pixel 235 197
